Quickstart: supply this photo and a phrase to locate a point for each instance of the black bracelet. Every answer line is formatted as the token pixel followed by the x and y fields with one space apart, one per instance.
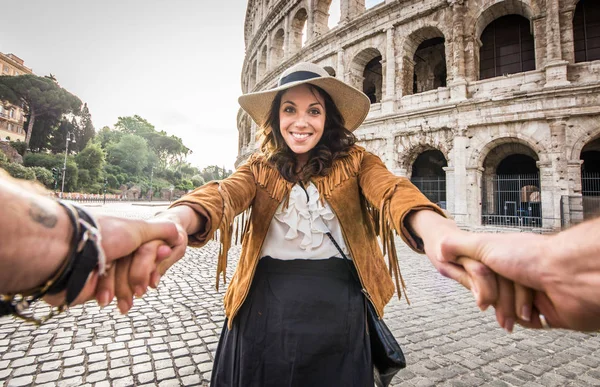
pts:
pixel 85 254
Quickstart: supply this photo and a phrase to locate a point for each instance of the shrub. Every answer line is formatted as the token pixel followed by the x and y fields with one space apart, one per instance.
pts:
pixel 20 146
pixel 45 160
pixel 20 172
pixel 44 176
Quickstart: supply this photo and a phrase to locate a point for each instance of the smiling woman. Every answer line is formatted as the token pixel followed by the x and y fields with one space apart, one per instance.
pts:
pixel 295 312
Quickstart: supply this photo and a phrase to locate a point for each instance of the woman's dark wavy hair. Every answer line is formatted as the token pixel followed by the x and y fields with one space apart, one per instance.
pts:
pixel 334 144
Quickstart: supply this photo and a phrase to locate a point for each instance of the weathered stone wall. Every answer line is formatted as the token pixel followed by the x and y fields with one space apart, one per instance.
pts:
pixel 548 114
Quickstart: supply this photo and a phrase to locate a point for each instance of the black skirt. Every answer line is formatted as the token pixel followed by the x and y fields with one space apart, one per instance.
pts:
pixel 302 324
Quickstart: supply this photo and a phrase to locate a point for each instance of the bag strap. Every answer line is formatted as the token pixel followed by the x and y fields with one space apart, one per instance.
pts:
pixel 345 258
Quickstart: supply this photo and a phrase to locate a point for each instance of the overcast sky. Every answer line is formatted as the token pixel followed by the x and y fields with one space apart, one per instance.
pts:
pixel 176 63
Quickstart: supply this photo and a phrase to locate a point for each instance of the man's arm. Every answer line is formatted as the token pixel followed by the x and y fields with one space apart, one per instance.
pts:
pixel 35 235
pixel 564 268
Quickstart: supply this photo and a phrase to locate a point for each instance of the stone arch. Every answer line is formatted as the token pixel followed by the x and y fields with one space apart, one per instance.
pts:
pixel 373 3
pixel 475 26
pixel 366 73
pixel 277 52
pixel 298 26
pixel 252 76
pixel 479 154
pixel 424 35
pixel 408 148
pixel 585 31
pixel 590 179
pixel 499 9
pixel 321 18
pixel 262 62
pixel 581 142
pixel 501 151
pixel 335 13
pixel 507 47
pixel 429 176
pixel 511 185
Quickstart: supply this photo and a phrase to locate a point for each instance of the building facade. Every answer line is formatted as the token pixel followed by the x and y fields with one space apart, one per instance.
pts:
pixel 12 117
pixel 491 107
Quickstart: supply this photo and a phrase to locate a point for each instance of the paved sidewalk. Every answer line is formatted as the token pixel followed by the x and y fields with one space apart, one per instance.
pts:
pixel 169 337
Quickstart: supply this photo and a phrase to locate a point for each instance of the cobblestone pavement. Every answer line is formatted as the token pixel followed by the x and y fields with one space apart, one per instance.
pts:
pixel 169 337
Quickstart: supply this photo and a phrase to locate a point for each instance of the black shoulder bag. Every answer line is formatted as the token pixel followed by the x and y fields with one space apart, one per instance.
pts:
pixel 387 355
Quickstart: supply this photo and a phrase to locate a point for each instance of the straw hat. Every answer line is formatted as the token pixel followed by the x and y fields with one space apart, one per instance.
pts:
pixel 353 104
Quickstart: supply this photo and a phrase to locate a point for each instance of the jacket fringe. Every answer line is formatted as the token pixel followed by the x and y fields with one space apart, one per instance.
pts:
pixel 341 170
pixel 268 178
pixel 384 229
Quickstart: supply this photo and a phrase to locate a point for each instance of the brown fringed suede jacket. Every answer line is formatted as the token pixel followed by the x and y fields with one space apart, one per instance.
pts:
pixel 368 200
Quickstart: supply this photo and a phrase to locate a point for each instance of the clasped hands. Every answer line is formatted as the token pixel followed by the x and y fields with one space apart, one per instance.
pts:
pixel 139 252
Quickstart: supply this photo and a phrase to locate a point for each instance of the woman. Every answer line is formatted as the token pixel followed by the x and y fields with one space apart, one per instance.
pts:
pixel 295 316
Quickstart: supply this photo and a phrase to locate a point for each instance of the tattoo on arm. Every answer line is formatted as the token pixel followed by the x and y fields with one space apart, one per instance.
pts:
pixel 41 215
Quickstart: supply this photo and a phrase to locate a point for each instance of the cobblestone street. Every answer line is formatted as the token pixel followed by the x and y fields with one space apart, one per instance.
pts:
pixel 169 337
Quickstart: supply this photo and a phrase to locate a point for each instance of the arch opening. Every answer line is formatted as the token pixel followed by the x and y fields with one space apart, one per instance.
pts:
pixel 511 190
pixel 277 47
pixel 262 64
pixel 429 65
pixel 371 3
pixel 507 47
pixel 429 177
pixel 590 179
pixel 373 79
pixel 299 28
pixel 252 77
pixel 334 13
pixel 586 31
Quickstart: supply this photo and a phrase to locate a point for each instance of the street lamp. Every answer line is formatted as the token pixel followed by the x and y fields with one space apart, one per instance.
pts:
pixel 151 189
pixel 105 183
pixel 70 138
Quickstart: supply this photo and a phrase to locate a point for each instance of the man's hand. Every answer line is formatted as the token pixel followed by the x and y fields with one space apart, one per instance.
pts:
pixel 564 283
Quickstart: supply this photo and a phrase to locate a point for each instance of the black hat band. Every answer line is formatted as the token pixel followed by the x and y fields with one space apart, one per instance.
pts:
pixel 298 76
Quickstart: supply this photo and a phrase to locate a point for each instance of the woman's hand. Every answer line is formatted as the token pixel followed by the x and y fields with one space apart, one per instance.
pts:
pixel 510 301
pixel 132 275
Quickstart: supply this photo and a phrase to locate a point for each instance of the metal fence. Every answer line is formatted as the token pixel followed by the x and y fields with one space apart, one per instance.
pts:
pixel 432 187
pixel 511 201
pixel 575 209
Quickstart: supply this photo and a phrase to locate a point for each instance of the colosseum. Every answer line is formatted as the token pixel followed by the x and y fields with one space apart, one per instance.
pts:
pixel 490 107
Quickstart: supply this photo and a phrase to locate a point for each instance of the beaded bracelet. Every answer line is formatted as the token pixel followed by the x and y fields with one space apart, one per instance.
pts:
pixel 85 254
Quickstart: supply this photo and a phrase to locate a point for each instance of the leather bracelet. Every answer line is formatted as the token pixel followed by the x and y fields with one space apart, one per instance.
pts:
pixel 85 254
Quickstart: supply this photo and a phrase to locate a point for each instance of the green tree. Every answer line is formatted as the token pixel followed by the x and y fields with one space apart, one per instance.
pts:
pixel 86 128
pixel 130 153
pixel 20 146
pixel 106 136
pixel 134 125
pixel 214 172
pixel 197 181
pixel 92 160
pixel 39 95
pixel 57 138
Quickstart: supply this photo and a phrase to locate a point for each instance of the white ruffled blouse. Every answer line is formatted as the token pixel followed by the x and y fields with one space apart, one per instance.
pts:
pixel 299 231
